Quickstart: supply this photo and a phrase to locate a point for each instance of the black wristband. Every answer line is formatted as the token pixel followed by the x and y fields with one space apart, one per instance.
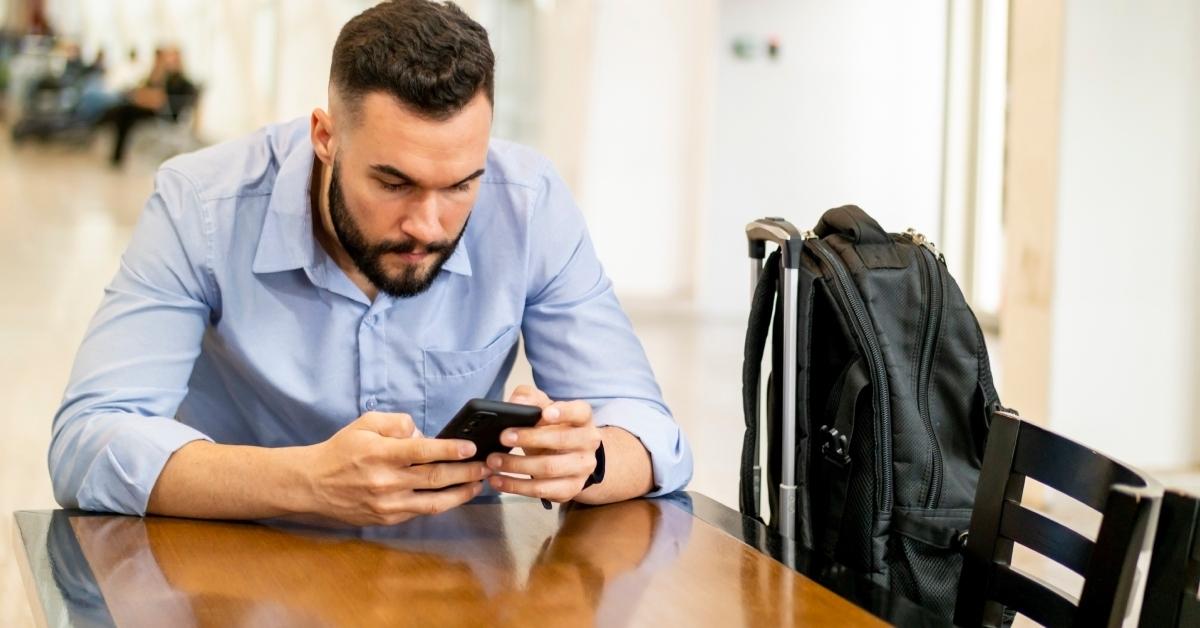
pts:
pixel 597 475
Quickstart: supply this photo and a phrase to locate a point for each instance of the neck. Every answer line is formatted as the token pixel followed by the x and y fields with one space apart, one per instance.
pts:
pixel 318 200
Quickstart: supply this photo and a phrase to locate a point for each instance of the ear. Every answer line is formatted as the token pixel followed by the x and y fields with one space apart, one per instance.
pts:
pixel 322 134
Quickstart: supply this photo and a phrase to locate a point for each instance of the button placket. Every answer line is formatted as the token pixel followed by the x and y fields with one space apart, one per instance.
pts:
pixel 371 366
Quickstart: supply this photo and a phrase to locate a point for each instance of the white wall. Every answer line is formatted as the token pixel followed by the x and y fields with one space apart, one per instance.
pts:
pixel 649 80
pixel 851 112
pixel 1127 289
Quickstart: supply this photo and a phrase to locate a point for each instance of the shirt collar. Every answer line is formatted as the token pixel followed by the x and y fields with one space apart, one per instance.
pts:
pixel 459 261
pixel 287 241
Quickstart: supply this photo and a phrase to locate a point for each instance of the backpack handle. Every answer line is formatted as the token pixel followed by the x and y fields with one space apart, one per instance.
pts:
pixel 853 223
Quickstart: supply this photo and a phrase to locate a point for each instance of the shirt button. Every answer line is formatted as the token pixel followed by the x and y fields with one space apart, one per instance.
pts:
pixel 371 403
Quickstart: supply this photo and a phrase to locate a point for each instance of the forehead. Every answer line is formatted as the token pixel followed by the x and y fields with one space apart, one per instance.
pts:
pixel 434 152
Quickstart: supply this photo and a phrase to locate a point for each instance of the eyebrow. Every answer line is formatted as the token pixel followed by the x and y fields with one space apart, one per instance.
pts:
pixel 393 172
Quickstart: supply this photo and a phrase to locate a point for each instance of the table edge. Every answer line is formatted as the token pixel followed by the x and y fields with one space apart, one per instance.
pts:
pixel 28 580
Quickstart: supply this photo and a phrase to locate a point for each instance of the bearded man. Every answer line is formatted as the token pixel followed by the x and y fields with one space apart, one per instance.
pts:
pixel 298 307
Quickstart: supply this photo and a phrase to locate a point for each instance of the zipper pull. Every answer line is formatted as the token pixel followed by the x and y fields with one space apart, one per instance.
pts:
pixel 919 239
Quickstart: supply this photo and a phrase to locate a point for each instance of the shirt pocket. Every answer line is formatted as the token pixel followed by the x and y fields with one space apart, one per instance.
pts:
pixel 454 377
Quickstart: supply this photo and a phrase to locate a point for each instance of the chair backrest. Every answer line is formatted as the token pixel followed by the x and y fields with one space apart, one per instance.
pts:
pixel 1127 499
pixel 1174 577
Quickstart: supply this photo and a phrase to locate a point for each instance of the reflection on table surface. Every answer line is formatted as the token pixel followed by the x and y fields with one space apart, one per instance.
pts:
pixel 486 564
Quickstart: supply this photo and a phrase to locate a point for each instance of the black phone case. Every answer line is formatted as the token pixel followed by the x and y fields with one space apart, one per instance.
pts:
pixel 481 421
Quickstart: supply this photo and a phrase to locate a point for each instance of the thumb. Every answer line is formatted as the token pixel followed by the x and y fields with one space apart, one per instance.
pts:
pixel 393 424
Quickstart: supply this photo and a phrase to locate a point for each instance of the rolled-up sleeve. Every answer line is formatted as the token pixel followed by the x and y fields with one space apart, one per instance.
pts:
pixel 115 428
pixel 581 344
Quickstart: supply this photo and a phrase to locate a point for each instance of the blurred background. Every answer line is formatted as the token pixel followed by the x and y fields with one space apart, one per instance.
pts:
pixel 1051 148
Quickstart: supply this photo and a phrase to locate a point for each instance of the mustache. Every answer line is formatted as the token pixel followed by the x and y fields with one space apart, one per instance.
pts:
pixel 411 246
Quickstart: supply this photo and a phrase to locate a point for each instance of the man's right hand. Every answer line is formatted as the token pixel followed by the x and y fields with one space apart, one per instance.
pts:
pixel 379 471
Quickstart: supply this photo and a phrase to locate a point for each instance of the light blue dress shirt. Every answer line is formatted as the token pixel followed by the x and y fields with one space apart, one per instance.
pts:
pixel 228 322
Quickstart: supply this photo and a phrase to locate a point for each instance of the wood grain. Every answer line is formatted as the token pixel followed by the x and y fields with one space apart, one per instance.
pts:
pixel 639 563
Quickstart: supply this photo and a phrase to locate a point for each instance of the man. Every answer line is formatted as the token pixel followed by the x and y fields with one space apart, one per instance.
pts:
pixel 377 261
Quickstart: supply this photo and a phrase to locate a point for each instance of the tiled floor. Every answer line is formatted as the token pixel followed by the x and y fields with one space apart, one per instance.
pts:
pixel 63 223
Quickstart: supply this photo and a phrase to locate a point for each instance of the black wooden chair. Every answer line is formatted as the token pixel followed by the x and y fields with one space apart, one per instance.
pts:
pixel 1174 576
pixel 1127 499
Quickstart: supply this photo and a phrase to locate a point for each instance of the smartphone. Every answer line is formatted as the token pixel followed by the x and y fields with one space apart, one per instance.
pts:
pixel 481 421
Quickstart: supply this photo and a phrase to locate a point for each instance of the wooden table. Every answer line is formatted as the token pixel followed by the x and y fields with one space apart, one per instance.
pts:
pixel 683 560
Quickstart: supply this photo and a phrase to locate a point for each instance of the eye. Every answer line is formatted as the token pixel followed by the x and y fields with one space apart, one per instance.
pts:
pixel 393 187
pixel 465 186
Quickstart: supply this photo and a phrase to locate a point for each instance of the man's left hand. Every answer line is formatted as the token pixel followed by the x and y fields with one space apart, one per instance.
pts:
pixel 560 451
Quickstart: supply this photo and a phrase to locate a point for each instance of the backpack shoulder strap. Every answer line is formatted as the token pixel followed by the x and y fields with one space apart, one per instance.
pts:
pixel 762 306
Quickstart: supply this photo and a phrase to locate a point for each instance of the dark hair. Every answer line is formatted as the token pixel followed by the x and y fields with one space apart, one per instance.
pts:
pixel 431 56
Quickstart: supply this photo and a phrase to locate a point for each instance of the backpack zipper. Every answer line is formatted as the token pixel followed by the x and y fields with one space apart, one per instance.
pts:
pixel 866 331
pixel 930 257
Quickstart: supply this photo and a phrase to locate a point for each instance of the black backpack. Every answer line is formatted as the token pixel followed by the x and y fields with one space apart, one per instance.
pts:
pixel 893 399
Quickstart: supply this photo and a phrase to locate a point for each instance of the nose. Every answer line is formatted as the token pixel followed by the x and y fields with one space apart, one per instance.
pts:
pixel 422 221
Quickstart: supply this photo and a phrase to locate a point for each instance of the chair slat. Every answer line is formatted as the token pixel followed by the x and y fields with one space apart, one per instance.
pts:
pixel 1033 598
pixel 1045 536
pixel 1068 467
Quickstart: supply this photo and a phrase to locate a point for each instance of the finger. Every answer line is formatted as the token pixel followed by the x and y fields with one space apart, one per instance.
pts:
pixel 412 451
pixel 443 474
pixel 555 490
pixel 578 413
pixel 394 424
pixel 553 437
pixel 545 467
pixel 529 395
pixel 434 502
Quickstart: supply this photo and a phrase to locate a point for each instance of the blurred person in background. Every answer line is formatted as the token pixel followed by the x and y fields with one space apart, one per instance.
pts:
pixel 297 307
pixel 109 85
pixel 165 92
pixel 94 96
pixel 60 101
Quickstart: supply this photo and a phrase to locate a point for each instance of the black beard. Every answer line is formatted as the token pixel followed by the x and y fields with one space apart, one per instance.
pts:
pixel 411 281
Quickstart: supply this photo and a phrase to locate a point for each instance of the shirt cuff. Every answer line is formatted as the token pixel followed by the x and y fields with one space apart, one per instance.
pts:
pixel 670 455
pixel 125 471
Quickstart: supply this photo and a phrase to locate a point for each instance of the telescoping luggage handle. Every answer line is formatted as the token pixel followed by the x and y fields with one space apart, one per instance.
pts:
pixel 790 242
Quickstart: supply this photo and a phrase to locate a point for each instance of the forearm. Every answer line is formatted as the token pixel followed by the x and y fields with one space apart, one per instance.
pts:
pixel 627 472
pixel 212 481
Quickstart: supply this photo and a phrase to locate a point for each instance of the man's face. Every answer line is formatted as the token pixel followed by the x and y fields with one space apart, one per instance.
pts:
pixel 402 188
